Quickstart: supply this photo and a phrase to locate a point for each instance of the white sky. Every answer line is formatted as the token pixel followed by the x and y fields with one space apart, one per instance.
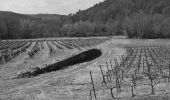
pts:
pixel 46 6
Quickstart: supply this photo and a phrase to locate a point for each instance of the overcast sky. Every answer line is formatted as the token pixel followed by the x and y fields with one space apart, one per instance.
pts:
pixel 46 6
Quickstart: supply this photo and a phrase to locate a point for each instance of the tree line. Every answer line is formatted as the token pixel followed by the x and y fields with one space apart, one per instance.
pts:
pixel 133 18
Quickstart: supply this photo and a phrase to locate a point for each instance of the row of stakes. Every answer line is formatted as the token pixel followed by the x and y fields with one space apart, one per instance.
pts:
pixel 106 78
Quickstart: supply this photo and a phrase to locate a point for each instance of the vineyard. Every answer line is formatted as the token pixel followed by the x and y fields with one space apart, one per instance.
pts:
pixel 85 69
pixel 141 66
pixel 11 49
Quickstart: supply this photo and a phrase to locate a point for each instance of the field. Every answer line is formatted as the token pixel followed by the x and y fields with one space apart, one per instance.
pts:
pixel 128 69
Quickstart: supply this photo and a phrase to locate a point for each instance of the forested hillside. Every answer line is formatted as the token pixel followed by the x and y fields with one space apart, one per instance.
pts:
pixel 134 18
pixel 14 25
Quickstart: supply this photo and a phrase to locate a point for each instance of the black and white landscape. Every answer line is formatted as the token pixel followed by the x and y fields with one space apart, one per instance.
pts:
pixel 84 49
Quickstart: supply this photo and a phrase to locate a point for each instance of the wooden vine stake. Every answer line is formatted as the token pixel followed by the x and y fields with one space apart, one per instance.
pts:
pixel 104 81
pixel 169 73
pixel 143 65
pixel 3 60
pixel 93 86
pixel 91 95
pixel 109 72
pixel 111 64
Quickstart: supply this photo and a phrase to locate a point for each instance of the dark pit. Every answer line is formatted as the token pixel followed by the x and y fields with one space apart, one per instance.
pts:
pixel 83 57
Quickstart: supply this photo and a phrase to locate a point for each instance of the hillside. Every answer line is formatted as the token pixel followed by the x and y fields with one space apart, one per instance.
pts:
pixel 135 18
pixel 14 25
pixel 7 14
pixel 112 9
pixel 47 16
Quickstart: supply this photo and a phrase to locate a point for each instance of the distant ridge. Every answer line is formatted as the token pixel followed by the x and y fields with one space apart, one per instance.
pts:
pixel 14 25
